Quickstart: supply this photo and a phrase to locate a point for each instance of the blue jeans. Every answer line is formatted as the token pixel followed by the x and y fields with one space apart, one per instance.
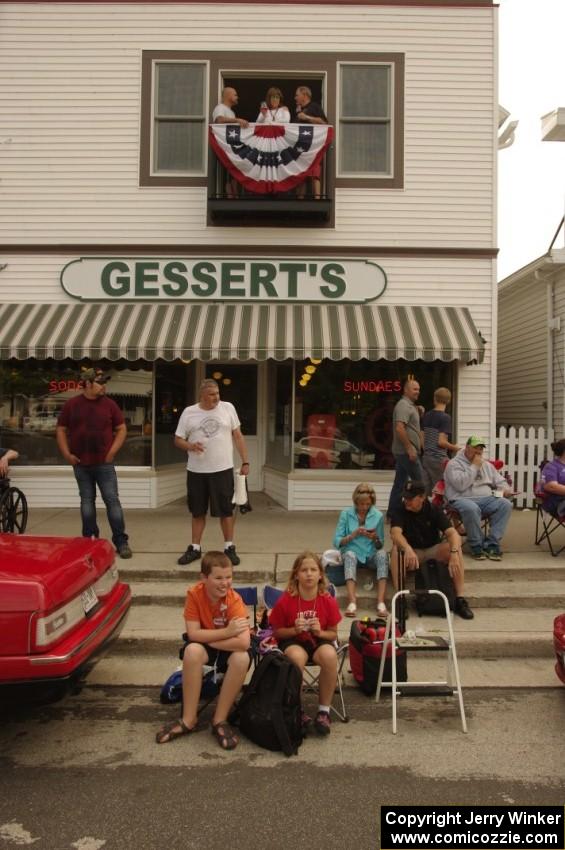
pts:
pixel 103 474
pixel 405 469
pixel 472 510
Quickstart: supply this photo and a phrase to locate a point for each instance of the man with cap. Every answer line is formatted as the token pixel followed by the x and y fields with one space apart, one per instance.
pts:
pixel 476 490
pixel 90 432
pixel 423 533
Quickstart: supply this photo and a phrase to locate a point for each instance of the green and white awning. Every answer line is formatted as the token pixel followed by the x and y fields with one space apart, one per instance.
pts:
pixel 237 331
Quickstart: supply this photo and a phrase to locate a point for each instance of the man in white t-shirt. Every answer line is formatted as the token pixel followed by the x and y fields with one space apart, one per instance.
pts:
pixel 207 432
pixel 223 114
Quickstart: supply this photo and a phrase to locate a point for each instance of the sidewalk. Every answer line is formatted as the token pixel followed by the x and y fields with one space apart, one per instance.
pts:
pixel 508 644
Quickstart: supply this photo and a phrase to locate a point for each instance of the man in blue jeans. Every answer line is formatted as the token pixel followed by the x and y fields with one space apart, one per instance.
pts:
pixel 90 432
pixel 476 490
pixel 406 443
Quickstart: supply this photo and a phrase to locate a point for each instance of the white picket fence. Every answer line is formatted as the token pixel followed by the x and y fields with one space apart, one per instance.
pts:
pixel 522 450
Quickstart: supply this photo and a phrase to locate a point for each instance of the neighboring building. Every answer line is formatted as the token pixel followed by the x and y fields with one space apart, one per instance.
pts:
pixel 531 345
pixel 119 246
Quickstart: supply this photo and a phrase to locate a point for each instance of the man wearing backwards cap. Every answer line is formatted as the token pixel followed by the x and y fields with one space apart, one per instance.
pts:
pixel 476 490
pixel 90 432
pixel 423 532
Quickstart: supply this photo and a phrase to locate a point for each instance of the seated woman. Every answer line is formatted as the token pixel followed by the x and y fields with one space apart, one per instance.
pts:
pixel 359 536
pixel 553 479
pixel 305 621
pixel 272 109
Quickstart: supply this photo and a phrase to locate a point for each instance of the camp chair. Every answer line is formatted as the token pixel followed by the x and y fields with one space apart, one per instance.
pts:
pixel 547 523
pixel 270 596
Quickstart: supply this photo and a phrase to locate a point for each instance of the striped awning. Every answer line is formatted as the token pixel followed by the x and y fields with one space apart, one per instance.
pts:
pixel 237 331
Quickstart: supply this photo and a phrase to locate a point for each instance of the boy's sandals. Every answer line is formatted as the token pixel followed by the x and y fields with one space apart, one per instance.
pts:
pixel 225 735
pixel 351 610
pixel 175 729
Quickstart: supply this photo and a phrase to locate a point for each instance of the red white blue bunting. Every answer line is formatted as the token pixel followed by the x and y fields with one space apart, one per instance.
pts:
pixel 270 158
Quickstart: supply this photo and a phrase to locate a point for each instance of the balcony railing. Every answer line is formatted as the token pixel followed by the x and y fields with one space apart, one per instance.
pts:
pixel 231 203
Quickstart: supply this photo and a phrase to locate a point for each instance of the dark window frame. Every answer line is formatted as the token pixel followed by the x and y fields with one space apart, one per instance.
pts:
pixel 233 62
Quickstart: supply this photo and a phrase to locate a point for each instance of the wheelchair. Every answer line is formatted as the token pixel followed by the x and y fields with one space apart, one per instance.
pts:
pixel 13 508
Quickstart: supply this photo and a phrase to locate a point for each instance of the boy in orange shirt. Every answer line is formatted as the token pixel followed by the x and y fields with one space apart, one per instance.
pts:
pixel 217 626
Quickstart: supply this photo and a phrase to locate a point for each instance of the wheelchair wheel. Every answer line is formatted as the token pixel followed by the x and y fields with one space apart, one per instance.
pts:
pixel 13 511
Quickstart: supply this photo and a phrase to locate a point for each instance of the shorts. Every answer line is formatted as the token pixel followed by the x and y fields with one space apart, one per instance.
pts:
pixel 217 658
pixel 210 489
pixel 429 554
pixel 309 647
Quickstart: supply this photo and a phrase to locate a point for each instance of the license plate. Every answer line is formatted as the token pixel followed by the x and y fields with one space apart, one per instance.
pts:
pixel 89 599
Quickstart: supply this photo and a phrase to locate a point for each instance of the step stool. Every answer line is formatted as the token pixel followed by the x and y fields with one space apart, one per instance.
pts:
pixel 423 643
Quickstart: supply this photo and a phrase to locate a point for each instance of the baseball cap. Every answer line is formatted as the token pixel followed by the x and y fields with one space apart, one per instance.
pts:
pixel 414 488
pixel 475 441
pixel 96 375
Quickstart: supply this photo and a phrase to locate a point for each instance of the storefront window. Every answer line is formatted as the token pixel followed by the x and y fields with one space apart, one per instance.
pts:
pixel 32 394
pixel 343 410
pixel 279 415
pixel 174 390
pixel 238 385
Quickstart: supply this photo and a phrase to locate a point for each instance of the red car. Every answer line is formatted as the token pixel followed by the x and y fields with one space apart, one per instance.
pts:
pixel 61 602
pixel 559 645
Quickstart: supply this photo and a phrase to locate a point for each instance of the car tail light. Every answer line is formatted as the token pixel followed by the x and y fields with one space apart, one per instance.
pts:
pixel 52 627
pixel 107 582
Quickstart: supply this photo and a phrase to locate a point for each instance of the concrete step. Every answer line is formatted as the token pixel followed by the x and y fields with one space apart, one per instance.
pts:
pixel 275 568
pixel 152 671
pixel 514 593
pixel 505 632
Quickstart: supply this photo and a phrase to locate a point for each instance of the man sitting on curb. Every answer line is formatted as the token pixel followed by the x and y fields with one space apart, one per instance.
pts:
pixel 217 626
pixel 476 490
pixel 417 529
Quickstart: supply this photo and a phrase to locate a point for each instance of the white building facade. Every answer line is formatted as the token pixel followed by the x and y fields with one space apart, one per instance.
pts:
pixel 119 246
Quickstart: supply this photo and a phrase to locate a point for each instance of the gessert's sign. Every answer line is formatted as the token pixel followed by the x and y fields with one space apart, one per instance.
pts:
pixel 223 279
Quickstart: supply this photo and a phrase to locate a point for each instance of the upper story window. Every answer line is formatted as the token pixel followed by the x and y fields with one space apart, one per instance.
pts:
pixel 361 93
pixel 365 120
pixel 179 118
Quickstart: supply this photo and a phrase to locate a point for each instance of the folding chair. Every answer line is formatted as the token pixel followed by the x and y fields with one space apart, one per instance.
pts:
pixel 270 596
pixel 547 524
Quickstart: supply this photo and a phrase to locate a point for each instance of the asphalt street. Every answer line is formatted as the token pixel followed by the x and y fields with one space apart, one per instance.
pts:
pixel 85 773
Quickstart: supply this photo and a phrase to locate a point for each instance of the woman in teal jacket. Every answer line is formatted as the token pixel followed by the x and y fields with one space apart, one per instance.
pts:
pixel 359 536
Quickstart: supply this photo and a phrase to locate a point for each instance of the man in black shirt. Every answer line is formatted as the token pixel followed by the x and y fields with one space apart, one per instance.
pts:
pixel 308 112
pixel 423 532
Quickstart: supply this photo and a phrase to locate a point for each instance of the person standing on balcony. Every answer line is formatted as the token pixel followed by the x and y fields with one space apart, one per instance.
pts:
pixel 223 114
pixel 406 445
pixel 309 112
pixel 273 110
pixel 436 434
pixel 206 432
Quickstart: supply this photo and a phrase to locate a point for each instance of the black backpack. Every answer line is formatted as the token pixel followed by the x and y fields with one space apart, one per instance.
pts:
pixel 269 712
pixel 433 576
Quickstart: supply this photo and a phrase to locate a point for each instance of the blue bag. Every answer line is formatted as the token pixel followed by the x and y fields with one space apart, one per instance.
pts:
pixel 171 691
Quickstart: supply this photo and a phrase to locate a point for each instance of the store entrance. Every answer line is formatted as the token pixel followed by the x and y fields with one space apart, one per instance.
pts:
pixel 238 385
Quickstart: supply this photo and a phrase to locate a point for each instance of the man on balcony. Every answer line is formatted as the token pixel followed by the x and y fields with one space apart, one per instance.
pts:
pixel 223 114
pixel 309 112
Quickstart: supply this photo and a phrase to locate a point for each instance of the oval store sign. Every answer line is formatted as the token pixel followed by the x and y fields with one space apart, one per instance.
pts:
pixel 223 279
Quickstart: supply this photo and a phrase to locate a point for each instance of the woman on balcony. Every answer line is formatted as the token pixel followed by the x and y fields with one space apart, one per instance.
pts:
pixel 272 109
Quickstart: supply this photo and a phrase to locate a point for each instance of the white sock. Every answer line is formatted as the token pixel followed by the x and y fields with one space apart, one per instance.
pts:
pixel 227 544
pixel 196 546
pixel 325 708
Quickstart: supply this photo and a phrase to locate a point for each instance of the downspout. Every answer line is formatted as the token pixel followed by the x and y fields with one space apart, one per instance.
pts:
pixel 552 324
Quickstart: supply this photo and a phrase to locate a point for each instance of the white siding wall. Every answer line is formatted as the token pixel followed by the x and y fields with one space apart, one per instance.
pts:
pixel 69 118
pixel 559 357
pixel 522 368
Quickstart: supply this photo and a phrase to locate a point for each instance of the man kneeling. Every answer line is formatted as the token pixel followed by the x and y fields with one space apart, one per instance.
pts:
pixel 217 626
pixel 417 528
